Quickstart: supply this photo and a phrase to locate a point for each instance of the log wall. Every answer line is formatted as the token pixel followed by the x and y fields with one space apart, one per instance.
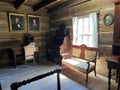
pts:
pixel 14 39
pixel 64 14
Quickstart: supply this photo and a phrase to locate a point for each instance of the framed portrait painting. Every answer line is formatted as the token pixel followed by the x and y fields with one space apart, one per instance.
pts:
pixel 17 22
pixel 108 19
pixel 33 23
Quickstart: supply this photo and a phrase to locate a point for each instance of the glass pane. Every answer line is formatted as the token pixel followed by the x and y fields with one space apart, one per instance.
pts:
pixel 79 40
pixel 86 21
pixel 85 40
pixel 80 22
pixel 86 30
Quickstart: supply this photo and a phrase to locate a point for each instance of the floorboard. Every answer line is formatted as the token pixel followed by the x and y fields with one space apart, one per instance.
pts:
pixel 69 80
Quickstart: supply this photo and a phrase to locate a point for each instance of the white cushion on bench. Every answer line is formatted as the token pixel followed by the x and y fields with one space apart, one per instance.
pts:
pixel 80 64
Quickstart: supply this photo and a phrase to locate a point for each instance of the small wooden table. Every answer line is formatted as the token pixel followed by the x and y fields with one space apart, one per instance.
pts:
pixel 14 52
pixel 113 63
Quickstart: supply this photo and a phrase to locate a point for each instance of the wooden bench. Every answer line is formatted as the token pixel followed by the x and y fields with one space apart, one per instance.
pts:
pixel 83 58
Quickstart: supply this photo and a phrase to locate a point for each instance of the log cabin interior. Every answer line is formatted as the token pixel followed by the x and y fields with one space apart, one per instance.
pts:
pixel 61 24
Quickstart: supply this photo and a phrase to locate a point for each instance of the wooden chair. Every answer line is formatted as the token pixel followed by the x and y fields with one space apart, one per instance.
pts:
pixel 29 53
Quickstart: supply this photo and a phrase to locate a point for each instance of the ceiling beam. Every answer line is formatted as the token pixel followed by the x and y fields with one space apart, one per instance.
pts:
pixel 42 4
pixel 67 4
pixel 17 3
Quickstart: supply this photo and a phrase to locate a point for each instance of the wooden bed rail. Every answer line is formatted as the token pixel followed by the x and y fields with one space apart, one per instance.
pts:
pixel 16 85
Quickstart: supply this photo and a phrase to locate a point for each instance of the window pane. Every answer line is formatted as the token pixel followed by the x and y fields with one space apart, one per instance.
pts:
pixel 86 30
pixel 79 40
pixel 86 25
pixel 90 41
pixel 80 22
pixel 86 21
pixel 85 40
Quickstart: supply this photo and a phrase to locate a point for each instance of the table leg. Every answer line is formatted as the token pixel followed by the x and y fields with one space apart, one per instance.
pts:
pixel 118 80
pixel 109 77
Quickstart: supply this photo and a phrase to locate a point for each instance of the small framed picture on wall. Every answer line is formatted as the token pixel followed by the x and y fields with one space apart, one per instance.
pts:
pixel 108 19
pixel 17 22
pixel 33 23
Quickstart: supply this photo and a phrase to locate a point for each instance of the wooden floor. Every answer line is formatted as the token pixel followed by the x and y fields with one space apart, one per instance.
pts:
pixel 71 81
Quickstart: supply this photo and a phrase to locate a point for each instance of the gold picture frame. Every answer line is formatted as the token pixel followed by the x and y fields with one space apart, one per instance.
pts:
pixel 33 23
pixel 17 22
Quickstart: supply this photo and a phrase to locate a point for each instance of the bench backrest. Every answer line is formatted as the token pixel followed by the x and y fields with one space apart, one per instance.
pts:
pixel 84 52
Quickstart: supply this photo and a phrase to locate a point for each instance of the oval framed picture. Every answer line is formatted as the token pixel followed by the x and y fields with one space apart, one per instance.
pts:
pixel 108 19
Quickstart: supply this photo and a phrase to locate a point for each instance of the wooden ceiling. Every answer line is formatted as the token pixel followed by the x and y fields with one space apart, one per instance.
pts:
pixel 37 4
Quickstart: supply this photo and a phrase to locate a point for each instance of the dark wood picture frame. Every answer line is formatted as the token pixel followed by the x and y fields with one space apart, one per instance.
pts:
pixel 33 23
pixel 17 22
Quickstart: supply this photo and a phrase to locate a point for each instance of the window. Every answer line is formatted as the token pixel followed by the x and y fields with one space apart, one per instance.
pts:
pixel 85 30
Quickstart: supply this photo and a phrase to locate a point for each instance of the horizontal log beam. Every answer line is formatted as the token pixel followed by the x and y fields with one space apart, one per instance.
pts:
pixel 17 3
pixel 42 4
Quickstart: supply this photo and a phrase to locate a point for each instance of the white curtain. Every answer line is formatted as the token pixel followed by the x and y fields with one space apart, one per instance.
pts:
pixel 75 28
pixel 94 28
